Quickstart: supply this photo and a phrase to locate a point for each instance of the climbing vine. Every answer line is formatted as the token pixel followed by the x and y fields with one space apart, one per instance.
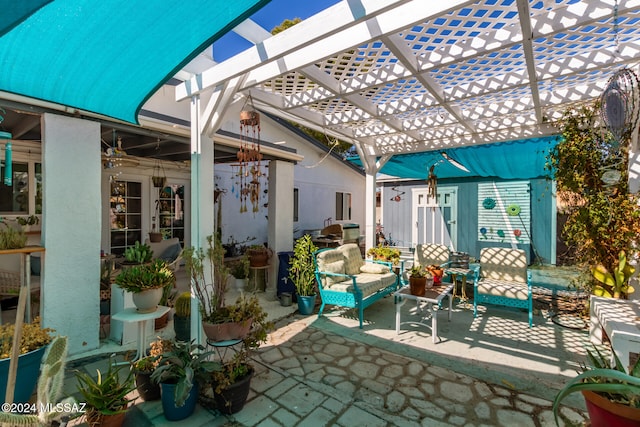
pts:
pixel 603 218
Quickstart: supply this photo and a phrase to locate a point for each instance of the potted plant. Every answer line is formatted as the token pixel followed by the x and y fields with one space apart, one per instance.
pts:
pixel 210 292
pixel 155 236
pixel 612 395
pixel 230 384
pixel 240 271
pixel 147 283
pixel 168 294
pixel 418 279
pixel 106 268
pixel 258 255
pixel 142 370
pixel 106 396
pixel 27 222
pixel 139 253
pixel 385 253
pixel 302 274
pixel 33 344
pixel 11 237
pixel 182 317
pixel 182 368
pixel 437 272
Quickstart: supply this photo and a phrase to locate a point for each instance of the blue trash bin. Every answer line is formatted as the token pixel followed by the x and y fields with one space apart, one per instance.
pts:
pixel 284 283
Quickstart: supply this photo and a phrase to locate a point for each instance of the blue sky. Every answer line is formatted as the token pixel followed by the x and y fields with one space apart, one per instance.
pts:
pixel 268 17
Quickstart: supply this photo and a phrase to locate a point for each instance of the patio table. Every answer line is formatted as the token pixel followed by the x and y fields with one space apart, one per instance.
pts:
pixel 432 299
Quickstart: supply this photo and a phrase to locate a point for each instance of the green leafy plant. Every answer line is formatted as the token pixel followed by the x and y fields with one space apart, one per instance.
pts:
pixel 145 364
pixel 209 290
pixel 139 253
pixel 302 268
pixel 106 394
pixel 240 267
pixel 385 253
pixel 616 283
pixel 11 238
pixel 603 218
pixel 611 382
pixel 141 277
pixel 28 220
pixel 418 271
pixel 34 336
pixel 184 364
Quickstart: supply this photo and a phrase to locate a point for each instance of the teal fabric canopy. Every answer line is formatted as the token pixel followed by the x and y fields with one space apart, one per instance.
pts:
pixel 521 159
pixel 106 57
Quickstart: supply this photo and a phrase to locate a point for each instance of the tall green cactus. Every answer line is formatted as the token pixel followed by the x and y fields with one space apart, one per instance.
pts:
pixel 183 304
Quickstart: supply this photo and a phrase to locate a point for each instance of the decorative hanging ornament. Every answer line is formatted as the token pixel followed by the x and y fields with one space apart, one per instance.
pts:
pixel 249 157
pixel 432 183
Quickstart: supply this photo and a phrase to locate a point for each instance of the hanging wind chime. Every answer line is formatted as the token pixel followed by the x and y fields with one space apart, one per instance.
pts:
pixel 249 157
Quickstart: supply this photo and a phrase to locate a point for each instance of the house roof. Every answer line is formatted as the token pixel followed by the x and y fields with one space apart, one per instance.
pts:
pixel 106 57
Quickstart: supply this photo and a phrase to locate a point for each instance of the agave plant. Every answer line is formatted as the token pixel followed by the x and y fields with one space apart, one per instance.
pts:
pixel 611 382
pixel 615 283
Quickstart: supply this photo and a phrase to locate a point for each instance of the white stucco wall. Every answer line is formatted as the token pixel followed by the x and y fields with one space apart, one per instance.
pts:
pixel 71 224
pixel 317 177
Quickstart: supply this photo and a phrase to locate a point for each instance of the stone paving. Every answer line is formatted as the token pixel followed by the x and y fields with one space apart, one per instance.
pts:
pixel 309 376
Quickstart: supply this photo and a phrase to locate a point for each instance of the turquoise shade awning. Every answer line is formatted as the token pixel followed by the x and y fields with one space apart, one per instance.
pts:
pixel 521 159
pixel 107 57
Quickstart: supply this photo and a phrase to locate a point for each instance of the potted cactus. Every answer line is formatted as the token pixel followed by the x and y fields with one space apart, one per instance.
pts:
pixel 182 317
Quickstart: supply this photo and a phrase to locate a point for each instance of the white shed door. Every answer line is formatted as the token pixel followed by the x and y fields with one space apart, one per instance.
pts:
pixel 435 221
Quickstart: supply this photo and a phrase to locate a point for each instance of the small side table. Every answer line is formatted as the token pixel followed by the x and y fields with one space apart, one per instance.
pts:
pixel 132 315
pixel 253 272
pixel 433 298
pixel 459 275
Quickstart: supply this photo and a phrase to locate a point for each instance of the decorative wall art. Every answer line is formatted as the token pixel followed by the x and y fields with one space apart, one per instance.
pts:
pixel 504 212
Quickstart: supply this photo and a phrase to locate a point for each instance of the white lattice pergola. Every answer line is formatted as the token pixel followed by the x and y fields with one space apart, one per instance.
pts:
pixel 404 76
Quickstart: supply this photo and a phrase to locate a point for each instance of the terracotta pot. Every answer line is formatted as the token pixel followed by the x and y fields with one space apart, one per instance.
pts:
pixel 161 321
pixel 604 413
pixel 258 257
pixel 155 237
pixel 227 331
pixel 417 286
pixel 95 419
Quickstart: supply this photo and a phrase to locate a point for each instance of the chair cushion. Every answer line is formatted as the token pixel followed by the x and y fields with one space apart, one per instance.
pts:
pixel 373 268
pixel 500 288
pixel 504 264
pixel 352 258
pixel 330 261
pixel 171 253
pixel 367 283
pixel 431 254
